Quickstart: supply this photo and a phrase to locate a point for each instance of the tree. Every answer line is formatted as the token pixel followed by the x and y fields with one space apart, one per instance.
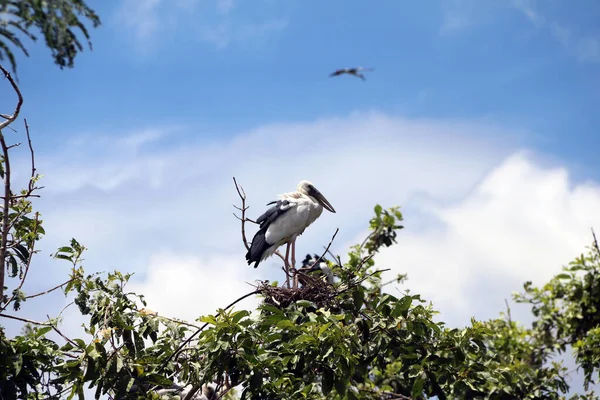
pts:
pixel 57 20
pixel 349 340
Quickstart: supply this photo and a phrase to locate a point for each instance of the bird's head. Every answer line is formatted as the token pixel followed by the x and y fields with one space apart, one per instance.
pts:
pixel 307 188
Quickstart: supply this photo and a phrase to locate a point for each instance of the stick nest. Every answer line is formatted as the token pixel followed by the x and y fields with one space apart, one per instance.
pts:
pixel 313 289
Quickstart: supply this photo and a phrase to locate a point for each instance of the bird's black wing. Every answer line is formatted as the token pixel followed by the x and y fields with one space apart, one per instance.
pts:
pixel 280 207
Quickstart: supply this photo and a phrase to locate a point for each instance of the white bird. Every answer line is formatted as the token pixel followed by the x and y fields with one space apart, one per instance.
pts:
pixel 310 265
pixel 285 221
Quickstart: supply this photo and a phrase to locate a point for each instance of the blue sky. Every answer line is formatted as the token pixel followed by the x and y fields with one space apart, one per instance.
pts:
pixel 479 119
pixel 525 63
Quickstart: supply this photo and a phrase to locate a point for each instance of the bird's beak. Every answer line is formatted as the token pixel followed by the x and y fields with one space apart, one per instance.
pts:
pixel 321 199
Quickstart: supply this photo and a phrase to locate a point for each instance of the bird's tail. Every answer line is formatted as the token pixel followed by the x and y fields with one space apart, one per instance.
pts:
pixel 258 248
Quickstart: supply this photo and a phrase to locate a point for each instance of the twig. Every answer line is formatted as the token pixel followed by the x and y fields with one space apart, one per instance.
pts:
pixel 31 180
pixel 5 213
pixel 336 258
pixel 30 321
pixel 61 334
pixel 50 290
pixel 508 312
pixel 176 352
pixel 328 246
pixel 595 242
pixel 9 119
pixel 243 209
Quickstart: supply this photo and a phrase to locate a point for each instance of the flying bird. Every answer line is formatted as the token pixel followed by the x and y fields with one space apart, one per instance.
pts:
pixel 310 265
pixel 285 221
pixel 351 71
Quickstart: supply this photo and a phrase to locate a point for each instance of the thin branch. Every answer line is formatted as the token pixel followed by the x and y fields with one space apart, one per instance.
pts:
pixel 50 290
pixel 336 258
pixel 508 312
pixel 595 242
pixel 9 119
pixel 31 180
pixel 328 246
pixel 243 219
pixel 62 335
pixel 5 213
pixel 176 352
pixel 29 321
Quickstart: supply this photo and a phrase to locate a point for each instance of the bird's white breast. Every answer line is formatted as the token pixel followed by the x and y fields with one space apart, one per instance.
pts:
pixel 303 212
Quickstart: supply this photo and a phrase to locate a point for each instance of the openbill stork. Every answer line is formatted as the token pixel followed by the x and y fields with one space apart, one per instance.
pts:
pixel 309 264
pixel 285 221
pixel 351 71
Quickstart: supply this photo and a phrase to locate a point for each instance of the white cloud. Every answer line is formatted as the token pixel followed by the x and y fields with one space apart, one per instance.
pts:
pixel 216 22
pixel 246 34
pixel 522 222
pixel 188 286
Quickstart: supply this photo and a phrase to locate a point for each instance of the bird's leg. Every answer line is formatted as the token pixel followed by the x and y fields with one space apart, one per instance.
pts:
pixel 294 264
pixel 287 265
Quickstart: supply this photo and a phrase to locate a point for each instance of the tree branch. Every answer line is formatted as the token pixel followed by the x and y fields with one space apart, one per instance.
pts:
pixel 29 321
pixel 243 208
pixel 49 290
pixel 9 119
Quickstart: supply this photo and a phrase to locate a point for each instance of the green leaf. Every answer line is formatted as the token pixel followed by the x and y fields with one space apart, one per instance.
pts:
pixel 305 303
pixel 378 210
pixel 402 306
pixel 210 319
pixel 327 381
pixel 358 296
pixel 341 386
pixel 417 389
pixel 238 315
pixel 42 331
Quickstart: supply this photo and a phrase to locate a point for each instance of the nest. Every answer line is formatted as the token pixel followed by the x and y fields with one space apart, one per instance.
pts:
pixel 313 289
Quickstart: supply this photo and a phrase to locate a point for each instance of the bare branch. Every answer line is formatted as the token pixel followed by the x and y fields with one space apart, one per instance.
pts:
pixel 49 290
pixel 62 335
pixel 328 246
pixel 6 203
pixel 508 312
pixel 29 321
pixel 243 219
pixel 595 242
pixel 9 119
pixel 31 180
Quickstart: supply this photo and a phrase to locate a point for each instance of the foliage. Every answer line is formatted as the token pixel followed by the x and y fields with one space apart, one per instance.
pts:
pixel 57 20
pixel 567 311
